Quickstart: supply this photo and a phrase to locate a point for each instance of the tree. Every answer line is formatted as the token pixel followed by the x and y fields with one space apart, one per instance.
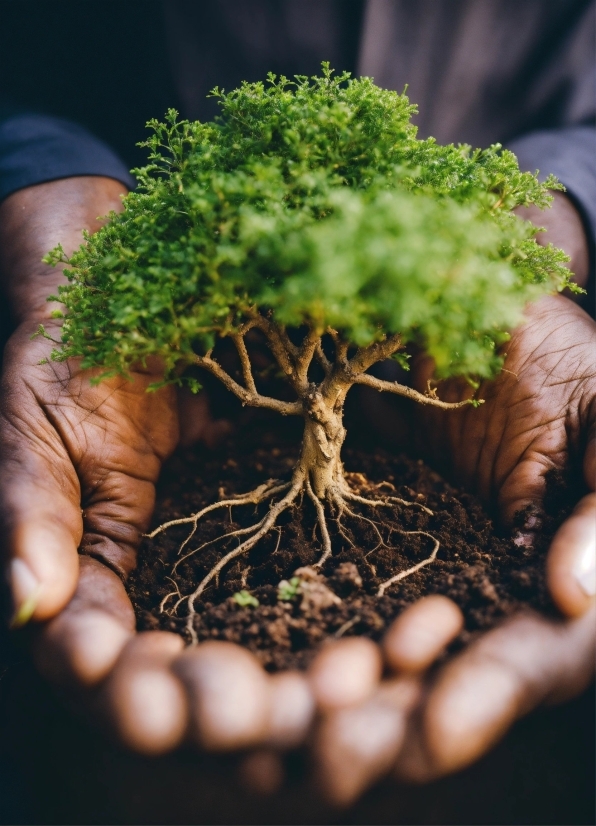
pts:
pixel 309 211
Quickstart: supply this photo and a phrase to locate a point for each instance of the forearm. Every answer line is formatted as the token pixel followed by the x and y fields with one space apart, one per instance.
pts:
pixel 565 229
pixel 33 221
pixel 568 152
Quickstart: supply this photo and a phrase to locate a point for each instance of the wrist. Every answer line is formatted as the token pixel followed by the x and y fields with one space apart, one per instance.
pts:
pixel 565 229
pixel 36 219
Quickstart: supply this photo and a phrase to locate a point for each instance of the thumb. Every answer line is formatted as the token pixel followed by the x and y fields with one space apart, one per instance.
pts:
pixel 40 523
pixel 571 561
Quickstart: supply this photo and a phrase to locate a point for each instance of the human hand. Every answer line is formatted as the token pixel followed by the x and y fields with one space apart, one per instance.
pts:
pixel 78 464
pixel 539 413
pixel 78 461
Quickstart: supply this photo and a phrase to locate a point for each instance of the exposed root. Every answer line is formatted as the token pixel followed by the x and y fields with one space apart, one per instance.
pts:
pixel 338 499
pixel 244 577
pixel 383 503
pixel 254 497
pixel 176 593
pixel 327 550
pixel 346 626
pixel 263 527
pixel 362 482
pixel 371 522
pixel 238 532
pixel 409 571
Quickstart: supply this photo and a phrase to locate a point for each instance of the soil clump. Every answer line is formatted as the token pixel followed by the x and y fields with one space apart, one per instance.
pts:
pixel 483 570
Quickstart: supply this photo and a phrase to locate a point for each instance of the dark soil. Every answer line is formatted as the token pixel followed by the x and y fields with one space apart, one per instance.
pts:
pixel 486 573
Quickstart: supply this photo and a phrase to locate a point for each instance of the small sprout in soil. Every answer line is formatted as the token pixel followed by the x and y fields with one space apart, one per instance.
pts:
pixel 245 599
pixel 288 589
pixel 310 216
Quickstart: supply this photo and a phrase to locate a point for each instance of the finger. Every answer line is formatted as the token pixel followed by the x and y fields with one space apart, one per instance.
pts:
pixel 291 710
pixel 523 490
pixel 80 646
pixel 228 695
pixel 417 637
pixel 354 747
pixel 571 561
pixel 504 675
pixel 143 700
pixel 41 521
pixel 345 672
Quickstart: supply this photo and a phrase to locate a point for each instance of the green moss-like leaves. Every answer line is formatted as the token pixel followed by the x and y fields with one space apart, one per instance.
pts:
pixel 312 199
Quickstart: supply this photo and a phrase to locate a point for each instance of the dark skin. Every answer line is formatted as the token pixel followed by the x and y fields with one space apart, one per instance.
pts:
pixel 78 468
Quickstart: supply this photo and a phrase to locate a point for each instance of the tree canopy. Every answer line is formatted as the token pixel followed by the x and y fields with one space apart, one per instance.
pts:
pixel 313 200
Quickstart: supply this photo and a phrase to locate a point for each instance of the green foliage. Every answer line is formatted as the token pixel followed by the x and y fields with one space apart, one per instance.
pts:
pixel 245 599
pixel 288 589
pixel 312 199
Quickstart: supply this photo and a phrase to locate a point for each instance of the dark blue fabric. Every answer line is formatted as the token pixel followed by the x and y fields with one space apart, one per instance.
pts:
pixel 37 148
pixel 570 154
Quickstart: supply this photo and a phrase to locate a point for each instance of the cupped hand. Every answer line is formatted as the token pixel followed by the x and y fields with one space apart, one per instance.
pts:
pixel 79 465
pixel 539 414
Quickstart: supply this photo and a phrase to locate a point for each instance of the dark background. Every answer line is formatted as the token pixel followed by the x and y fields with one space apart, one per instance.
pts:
pixel 103 64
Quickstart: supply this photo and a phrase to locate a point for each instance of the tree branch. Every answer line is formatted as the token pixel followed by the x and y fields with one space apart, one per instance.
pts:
pixel 408 392
pixel 286 341
pixel 252 399
pixel 379 350
pixel 305 357
pixel 341 347
pixel 322 359
pixel 281 346
pixel 249 381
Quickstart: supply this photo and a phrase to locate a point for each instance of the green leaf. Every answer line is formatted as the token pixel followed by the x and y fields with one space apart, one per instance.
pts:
pixel 245 599
pixel 312 200
pixel 288 589
pixel 402 359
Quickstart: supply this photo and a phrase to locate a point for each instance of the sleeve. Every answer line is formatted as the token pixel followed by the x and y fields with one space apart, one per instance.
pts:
pixel 570 154
pixel 38 148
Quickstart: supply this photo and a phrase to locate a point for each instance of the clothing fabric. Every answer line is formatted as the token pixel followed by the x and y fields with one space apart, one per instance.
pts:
pixel 37 148
pixel 481 71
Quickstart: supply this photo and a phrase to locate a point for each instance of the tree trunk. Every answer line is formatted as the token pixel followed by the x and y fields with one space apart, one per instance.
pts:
pixel 322 441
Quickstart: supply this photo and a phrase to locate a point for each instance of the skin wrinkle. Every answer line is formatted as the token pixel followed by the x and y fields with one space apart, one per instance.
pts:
pixel 500 481
pixel 112 533
pixel 100 424
pixel 542 418
pixel 42 439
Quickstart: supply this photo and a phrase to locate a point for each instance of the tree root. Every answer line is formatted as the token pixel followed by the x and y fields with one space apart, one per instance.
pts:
pixel 338 498
pixel 409 571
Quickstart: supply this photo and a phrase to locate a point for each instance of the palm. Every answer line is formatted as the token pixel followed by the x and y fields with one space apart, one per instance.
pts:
pixel 536 413
pixel 84 459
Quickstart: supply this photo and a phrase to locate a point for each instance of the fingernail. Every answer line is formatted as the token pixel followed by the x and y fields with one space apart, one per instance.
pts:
pixel 584 570
pixel 25 592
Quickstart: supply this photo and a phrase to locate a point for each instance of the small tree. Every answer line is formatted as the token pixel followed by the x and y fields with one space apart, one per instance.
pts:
pixel 309 205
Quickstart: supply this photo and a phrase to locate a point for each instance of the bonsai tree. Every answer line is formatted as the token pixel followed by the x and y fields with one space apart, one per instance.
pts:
pixel 309 211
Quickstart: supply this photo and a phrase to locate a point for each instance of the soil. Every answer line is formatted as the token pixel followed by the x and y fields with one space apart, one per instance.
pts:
pixel 485 572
